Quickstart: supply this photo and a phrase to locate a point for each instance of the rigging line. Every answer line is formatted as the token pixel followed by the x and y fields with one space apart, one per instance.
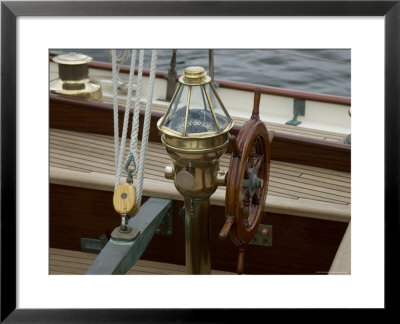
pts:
pixel 124 55
pixel 126 115
pixel 135 122
pixel 115 111
pixel 146 126
pixel 119 148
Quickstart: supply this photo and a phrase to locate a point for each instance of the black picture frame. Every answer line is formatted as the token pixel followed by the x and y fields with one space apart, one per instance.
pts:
pixel 10 10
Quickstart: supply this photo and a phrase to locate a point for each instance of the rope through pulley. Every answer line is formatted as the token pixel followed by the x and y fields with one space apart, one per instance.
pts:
pixel 127 198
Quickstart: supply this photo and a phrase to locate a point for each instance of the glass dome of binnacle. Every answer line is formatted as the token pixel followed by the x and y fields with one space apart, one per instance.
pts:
pixel 196 109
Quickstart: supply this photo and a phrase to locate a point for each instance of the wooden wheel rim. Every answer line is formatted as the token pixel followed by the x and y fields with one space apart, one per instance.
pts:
pixel 253 134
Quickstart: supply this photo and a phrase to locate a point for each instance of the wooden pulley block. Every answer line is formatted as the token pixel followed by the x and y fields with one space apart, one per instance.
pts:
pixel 124 199
pixel 247 182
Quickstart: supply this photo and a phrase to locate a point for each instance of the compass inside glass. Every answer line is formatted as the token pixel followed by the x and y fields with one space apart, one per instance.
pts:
pixel 196 107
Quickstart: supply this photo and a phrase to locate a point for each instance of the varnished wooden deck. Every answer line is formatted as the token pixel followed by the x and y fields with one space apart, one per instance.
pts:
pixel 87 160
pixel 67 262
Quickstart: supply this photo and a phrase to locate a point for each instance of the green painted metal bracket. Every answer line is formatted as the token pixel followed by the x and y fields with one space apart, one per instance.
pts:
pixel 299 109
pixel 119 257
pixel 263 237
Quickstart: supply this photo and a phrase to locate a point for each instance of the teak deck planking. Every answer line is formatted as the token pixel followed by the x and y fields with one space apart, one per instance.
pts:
pixel 94 117
pixel 68 262
pixel 295 185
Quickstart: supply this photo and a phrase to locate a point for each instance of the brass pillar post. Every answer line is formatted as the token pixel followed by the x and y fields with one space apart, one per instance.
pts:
pixel 197 236
pixel 195 132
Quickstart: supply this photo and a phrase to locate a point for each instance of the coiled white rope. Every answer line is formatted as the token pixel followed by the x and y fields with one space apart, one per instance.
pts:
pixel 119 148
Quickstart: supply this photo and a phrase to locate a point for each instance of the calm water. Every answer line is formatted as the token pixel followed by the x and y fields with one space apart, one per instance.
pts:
pixel 314 70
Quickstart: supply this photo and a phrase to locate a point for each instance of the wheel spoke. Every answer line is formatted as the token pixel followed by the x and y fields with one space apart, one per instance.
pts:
pixel 246 210
pixel 252 214
pixel 245 196
pixel 256 197
pixel 258 161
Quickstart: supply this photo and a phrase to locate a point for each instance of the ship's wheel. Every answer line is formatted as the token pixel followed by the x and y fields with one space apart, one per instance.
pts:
pixel 247 182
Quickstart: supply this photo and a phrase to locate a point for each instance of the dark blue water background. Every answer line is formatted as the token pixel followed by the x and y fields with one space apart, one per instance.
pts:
pixel 325 71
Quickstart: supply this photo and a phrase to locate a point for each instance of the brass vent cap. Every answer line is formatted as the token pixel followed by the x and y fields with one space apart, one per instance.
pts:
pixel 194 75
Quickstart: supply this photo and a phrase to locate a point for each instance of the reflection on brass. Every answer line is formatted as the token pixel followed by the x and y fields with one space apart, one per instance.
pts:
pixel 200 160
pixel 169 172
pixel 197 236
pixel 221 178
pixel 194 75
pixel 185 180
pixel 195 170
pixel 73 72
